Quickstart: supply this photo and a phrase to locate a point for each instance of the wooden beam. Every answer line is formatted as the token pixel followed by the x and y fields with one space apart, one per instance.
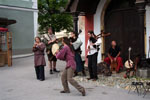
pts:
pixel 9 48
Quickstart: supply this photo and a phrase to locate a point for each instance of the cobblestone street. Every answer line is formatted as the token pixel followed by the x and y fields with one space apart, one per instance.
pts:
pixel 19 83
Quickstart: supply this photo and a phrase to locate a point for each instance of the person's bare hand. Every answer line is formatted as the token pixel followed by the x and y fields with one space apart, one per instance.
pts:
pixel 35 45
pixel 109 33
pixel 92 44
pixel 56 52
pixel 49 42
pixel 115 59
pixel 111 60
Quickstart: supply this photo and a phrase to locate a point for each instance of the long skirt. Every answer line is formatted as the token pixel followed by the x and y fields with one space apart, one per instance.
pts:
pixel 40 75
pixel 79 63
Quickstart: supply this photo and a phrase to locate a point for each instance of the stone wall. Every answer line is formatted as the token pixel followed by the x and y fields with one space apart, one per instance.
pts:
pixel 23 32
pixel 18 3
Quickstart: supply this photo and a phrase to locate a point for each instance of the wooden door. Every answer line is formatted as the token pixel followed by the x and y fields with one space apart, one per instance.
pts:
pixel 124 26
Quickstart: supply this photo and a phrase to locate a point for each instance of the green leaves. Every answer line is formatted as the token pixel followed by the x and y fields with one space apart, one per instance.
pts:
pixel 51 15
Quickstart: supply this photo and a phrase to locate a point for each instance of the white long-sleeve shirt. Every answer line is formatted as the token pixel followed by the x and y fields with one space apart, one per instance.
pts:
pixel 93 50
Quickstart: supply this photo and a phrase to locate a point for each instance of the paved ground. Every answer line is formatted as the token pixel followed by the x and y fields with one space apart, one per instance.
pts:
pixel 19 83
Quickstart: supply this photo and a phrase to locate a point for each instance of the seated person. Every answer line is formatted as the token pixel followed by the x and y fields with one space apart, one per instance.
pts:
pixel 114 55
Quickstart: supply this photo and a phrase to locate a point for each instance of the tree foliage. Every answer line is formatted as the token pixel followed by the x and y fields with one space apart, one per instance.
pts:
pixel 51 15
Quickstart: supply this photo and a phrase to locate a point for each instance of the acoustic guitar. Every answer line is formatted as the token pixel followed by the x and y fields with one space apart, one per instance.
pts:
pixel 129 63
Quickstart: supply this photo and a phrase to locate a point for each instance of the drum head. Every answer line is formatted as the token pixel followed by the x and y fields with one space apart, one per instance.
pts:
pixel 55 48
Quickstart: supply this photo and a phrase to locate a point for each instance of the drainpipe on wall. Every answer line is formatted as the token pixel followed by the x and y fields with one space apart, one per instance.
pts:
pixel 140 4
pixel 75 20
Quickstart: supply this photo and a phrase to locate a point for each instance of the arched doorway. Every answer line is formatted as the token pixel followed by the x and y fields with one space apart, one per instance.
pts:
pixel 121 19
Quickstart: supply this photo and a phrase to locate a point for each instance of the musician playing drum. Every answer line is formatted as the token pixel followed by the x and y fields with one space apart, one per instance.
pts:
pixel 114 55
pixel 49 40
pixel 67 54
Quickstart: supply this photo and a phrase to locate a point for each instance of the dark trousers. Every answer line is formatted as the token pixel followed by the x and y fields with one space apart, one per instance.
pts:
pixel 92 65
pixel 40 72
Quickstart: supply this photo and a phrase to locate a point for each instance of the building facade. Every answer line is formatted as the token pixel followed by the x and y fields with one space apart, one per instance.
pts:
pixel 127 21
pixel 25 12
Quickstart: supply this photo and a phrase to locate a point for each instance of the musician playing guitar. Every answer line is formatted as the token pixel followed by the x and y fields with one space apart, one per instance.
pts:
pixel 114 55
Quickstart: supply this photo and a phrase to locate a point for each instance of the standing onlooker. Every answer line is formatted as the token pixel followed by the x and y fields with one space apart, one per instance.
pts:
pixel 93 47
pixel 49 40
pixel 39 60
pixel 67 54
pixel 76 43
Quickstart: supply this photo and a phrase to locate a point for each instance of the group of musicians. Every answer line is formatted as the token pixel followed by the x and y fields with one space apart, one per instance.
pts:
pixel 71 53
pixel 93 47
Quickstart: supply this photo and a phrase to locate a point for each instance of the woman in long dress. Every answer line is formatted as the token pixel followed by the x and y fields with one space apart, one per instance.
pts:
pixel 39 60
pixel 76 43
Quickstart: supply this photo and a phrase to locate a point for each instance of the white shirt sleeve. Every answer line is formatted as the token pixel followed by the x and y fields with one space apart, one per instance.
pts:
pixel 88 44
pixel 98 42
